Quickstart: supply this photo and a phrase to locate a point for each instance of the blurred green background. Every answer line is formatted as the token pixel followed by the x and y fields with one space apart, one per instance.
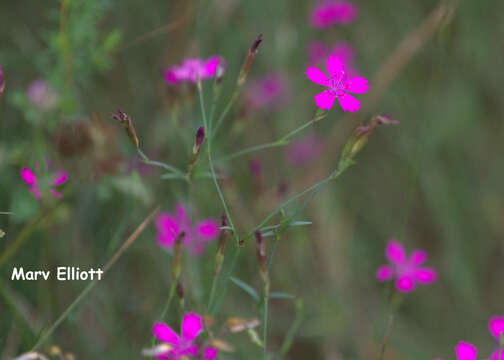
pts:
pixel 434 181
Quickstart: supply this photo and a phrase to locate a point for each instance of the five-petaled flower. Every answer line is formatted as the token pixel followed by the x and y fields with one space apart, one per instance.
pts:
pixel 192 68
pixel 169 225
pixel 40 184
pixel 407 271
pixel 464 351
pixel 338 85
pixel 184 344
pixel 496 328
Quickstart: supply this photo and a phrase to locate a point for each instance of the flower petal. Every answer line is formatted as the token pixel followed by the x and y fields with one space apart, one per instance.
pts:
pixel 496 326
pixel 28 177
pixel 348 102
pixel 405 284
pixel 210 353
pixel 496 356
pixel 191 326
pixel 425 276
pixel 59 177
pixel 317 76
pixel 357 85
pixel 207 229
pixel 191 350
pixel 418 257
pixel 385 272
pixel 334 67
pixel 35 191
pixel 164 333
pixel 395 252
pixel 465 351
pixel 324 100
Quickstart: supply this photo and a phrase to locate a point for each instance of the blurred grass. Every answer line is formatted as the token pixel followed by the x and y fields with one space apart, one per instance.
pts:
pixel 435 181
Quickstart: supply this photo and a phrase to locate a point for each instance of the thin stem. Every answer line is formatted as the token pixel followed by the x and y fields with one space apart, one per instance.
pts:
pixel 168 167
pixel 265 320
pixel 171 294
pixel 226 110
pixel 212 291
pixel 284 140
pixel 289 338
pixel 386 336
pixel 210 161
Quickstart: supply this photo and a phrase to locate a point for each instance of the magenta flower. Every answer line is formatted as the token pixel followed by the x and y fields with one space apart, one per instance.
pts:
pixel 184 344
pixel 496 328
pixel 265 91
pixel 40 184
pixel 337 85
pixel 191 67
pixel 407 271
pixel 41 95
pixel 465 351
pixel 333 12
pixel 170 225
pixel 303 151
pixel 2 81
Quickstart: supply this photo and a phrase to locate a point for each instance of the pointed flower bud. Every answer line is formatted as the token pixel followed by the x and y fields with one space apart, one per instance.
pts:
pixel 126 122
pixel 249 60
pixel 200 136
pixel 177 256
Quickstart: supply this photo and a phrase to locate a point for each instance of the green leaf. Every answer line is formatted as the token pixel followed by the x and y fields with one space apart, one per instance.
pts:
pixel 245 287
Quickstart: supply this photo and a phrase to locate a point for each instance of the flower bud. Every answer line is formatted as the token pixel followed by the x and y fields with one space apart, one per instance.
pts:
pixel 248 61
pixel 200 136
pixel 126 122
pixel 180 293
pixel 177 256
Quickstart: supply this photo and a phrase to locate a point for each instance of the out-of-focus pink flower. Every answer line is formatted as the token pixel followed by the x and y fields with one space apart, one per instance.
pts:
pixel 266 91
pixel 338 85
pixel 301 152
pixel 317 51
pixel 40 184
pixel 42 95
pixel 191 68
pixel 333 12
pixel 2 81
pixel 184 344
pixel 169 225
pixel 465 351
pixel 496 328
pixel 407 271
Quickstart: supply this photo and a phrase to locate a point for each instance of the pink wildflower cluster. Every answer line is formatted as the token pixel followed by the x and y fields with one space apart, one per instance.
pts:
pixel 338 85
pixel 40 184
pixel 184 344
pixel 333 12
pixel 170 225
pixel 407 271
pixel 191 68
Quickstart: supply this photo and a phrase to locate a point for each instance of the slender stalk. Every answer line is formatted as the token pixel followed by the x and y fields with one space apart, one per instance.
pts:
pixel 265 320
pixel 210 161
pixel 228 107
pixel 283 141
pixel 171 294
pixel 395 303
pixel 289 337
pixel 168 167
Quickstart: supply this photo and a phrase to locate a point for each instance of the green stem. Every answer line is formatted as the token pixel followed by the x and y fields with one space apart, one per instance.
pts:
pixel 289 338
pixel 265 320
pixel 171 294
pixel 284 140
pixel 168 167
pixel 210 161
pixel 228 107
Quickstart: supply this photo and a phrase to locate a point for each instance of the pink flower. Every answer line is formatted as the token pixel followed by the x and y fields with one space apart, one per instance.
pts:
pixel 333 12
pixel 2 81
pixel 407 271
pixel 183 344
pixel 496 328
pixel 304 150
pixel 41 184
pixel 170 225
pixel 337 85
pixel 317 51
pixel 42 95
pixel 465 351
pixel 191 67
pixel 265 91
